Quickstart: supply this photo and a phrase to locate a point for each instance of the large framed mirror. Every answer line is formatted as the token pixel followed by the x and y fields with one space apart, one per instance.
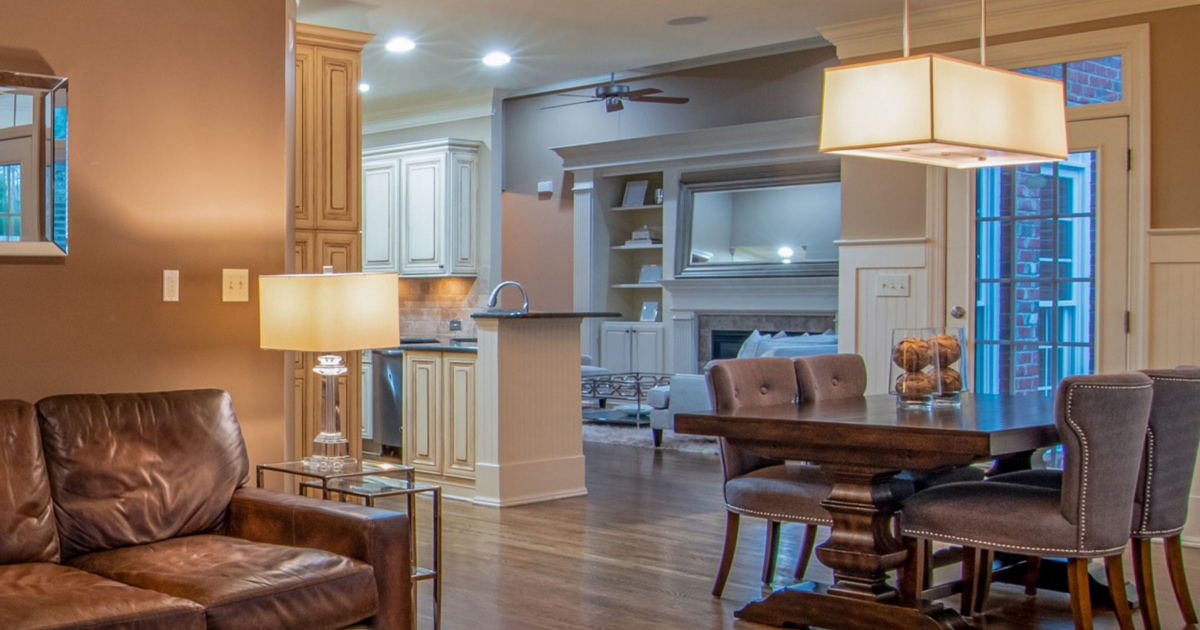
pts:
pixel 33 165
pixel 760 224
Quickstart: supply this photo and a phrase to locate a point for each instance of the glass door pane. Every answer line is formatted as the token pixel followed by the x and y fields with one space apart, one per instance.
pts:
pixel 1035 274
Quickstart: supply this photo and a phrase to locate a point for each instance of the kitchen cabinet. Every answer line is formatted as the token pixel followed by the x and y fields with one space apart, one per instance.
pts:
pixel 632 346
pixel 439 415
pixel 420 208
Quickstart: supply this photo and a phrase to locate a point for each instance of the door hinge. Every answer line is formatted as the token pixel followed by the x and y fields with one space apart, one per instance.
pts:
pixel 1126 322
pixel 1128 160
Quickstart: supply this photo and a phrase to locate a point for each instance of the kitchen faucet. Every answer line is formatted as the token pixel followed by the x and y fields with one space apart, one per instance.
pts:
pixel 492 299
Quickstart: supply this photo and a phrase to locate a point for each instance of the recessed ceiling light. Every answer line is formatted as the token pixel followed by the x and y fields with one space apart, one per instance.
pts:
pixel 496 58
pixel 687 21
pixel 400 45
pixel 364 87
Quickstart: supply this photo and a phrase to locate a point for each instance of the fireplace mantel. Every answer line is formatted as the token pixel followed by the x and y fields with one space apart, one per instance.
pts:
pixel 789 295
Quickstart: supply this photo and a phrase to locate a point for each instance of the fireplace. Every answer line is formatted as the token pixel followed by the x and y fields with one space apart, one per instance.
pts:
pixel 721 335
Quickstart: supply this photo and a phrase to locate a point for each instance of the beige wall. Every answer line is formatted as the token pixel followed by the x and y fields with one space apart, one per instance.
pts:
pixel 537 232
pixel 1175 131
pixel 177 161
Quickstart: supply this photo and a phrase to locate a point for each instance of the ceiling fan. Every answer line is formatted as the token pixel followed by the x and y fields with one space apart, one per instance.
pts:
pixel 613 93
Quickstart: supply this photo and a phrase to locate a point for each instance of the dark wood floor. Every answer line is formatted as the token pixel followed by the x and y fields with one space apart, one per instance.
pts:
pixel 640 552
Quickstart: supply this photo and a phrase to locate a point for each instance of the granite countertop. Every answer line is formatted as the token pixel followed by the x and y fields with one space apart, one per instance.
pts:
pixel 541 314
pixel 441 347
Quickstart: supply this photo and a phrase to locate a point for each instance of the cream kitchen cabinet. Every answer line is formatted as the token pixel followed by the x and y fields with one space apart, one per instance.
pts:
pixel 439 415
pixel 420 208
pixel 631 346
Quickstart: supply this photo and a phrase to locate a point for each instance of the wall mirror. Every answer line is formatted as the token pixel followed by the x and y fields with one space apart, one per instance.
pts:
pixel 33 164
pixel 782 223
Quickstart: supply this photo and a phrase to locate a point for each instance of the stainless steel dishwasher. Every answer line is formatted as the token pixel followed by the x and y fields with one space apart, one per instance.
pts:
pixel 387 379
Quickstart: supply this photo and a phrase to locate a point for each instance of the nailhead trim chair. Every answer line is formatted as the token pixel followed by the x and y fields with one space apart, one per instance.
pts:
pixel 1160 507
pixel 1102 421
pixel 757 486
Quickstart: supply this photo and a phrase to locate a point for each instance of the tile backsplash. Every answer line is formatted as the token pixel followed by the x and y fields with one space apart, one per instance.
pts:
pixel 428 304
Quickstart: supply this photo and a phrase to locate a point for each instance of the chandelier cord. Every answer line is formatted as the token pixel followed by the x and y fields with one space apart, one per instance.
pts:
pixel 905 28
pixel 982 32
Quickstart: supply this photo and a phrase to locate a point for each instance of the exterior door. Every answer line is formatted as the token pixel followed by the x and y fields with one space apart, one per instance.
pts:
pixel 1038 269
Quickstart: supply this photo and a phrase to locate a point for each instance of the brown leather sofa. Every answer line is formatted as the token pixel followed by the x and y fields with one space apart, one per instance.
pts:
pixel 131 511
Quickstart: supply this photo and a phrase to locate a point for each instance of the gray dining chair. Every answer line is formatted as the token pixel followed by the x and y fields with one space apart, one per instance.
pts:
pixel 1160 507
pixel 1102 421
pixel 772 489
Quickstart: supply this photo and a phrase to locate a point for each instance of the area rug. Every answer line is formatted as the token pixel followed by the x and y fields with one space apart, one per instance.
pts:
pixel 631 435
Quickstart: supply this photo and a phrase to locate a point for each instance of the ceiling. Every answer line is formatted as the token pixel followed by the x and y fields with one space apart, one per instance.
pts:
pixel 562 44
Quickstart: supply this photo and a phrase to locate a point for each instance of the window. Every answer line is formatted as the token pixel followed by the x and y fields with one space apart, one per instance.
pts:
pixel 1088 81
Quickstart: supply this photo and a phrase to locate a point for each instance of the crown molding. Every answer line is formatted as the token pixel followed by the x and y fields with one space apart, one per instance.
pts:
pixel 330 37
pixel 960 21
pixel 425 112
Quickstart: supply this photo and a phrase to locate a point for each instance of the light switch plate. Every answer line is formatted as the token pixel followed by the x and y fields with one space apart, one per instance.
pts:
pixel 891 285
pixel 170 285
pixel 235 285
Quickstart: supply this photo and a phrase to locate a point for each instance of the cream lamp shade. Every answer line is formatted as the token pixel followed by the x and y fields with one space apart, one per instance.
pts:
pixel 329 312
pixel 941 111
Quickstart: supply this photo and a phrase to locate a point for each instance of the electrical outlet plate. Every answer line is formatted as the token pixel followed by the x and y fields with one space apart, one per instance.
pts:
pixel 891 285
pixel 235 285
pixel 456 324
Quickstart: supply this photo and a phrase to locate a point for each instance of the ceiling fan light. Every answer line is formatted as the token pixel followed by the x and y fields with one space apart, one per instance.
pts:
pixel 941 111
pixel 613 104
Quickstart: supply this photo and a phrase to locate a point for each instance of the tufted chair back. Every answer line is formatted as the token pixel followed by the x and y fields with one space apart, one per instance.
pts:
pixel 1169 457
pixel 1102 423
pixel 738 384
pixel 831 376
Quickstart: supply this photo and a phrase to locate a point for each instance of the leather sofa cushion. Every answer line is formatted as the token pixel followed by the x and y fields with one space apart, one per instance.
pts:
pixel 129 469
pixel 245 584
pixel 37 595
pixel 27 527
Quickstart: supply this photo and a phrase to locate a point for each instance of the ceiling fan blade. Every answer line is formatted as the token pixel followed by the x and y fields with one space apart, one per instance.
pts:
pixel 640 93
pixel 673 100
pixel 575 95
pixel 594 100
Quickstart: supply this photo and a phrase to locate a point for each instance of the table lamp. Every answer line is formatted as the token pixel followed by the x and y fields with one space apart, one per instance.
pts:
pixel 328 313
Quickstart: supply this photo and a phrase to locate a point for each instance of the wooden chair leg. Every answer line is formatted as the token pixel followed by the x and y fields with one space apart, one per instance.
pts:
pixel 772 552
pixel 1115 571
pixel 1143 577
pixel 970 578
pixel 912 573
pixel 1179 578
pixel 731 535
pixel 1081 597
pixel 806 551
pixel 1033 569
pixel 984 579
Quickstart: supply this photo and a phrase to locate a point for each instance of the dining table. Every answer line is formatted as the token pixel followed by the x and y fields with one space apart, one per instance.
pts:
pixel 860 445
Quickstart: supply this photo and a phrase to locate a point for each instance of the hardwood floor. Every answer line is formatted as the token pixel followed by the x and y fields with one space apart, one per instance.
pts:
pixel 640 552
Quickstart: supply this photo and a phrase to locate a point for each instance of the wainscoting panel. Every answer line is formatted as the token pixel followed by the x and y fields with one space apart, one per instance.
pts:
pixel 1174 322
pixel 868 320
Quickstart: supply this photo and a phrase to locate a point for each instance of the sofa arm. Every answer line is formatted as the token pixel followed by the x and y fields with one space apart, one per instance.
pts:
pixel 378 537
pixel 689 392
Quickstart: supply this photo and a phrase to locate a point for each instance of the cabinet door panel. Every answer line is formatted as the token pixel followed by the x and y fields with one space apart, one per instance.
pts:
pixel 339 146
pixel 380 189
pixel 615 347
pixel 459 409
pixel 462 229
pixel 304 250
pixel 647 348
pixel 422 412
pixel 306 146
pixel 339 249
pixel 423 207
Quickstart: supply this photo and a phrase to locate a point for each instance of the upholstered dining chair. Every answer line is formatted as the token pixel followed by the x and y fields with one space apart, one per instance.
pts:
pixel 757 486
pixel 1160 507
pixel 1102 421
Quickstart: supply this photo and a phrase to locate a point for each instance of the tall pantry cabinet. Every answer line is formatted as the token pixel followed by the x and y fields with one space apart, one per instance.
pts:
pixel 328 211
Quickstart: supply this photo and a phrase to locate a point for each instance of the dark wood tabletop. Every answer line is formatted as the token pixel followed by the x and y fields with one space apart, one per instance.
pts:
pixel 872 430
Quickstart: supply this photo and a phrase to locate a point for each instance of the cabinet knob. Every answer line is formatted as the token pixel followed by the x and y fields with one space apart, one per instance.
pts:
pixel 958 312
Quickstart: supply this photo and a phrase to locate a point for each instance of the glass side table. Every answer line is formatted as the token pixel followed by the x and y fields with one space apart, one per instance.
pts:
pixel 324 477
pixel 374 486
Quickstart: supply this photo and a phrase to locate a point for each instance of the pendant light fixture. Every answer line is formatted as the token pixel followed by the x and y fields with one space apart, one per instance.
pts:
pixel 936 110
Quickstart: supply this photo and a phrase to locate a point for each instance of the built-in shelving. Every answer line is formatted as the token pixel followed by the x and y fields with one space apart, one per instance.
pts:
pixel 647 246
pixel 642 285
pixel 653 206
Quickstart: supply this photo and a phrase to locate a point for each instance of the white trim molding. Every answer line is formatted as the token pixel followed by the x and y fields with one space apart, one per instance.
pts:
pixel 960 21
